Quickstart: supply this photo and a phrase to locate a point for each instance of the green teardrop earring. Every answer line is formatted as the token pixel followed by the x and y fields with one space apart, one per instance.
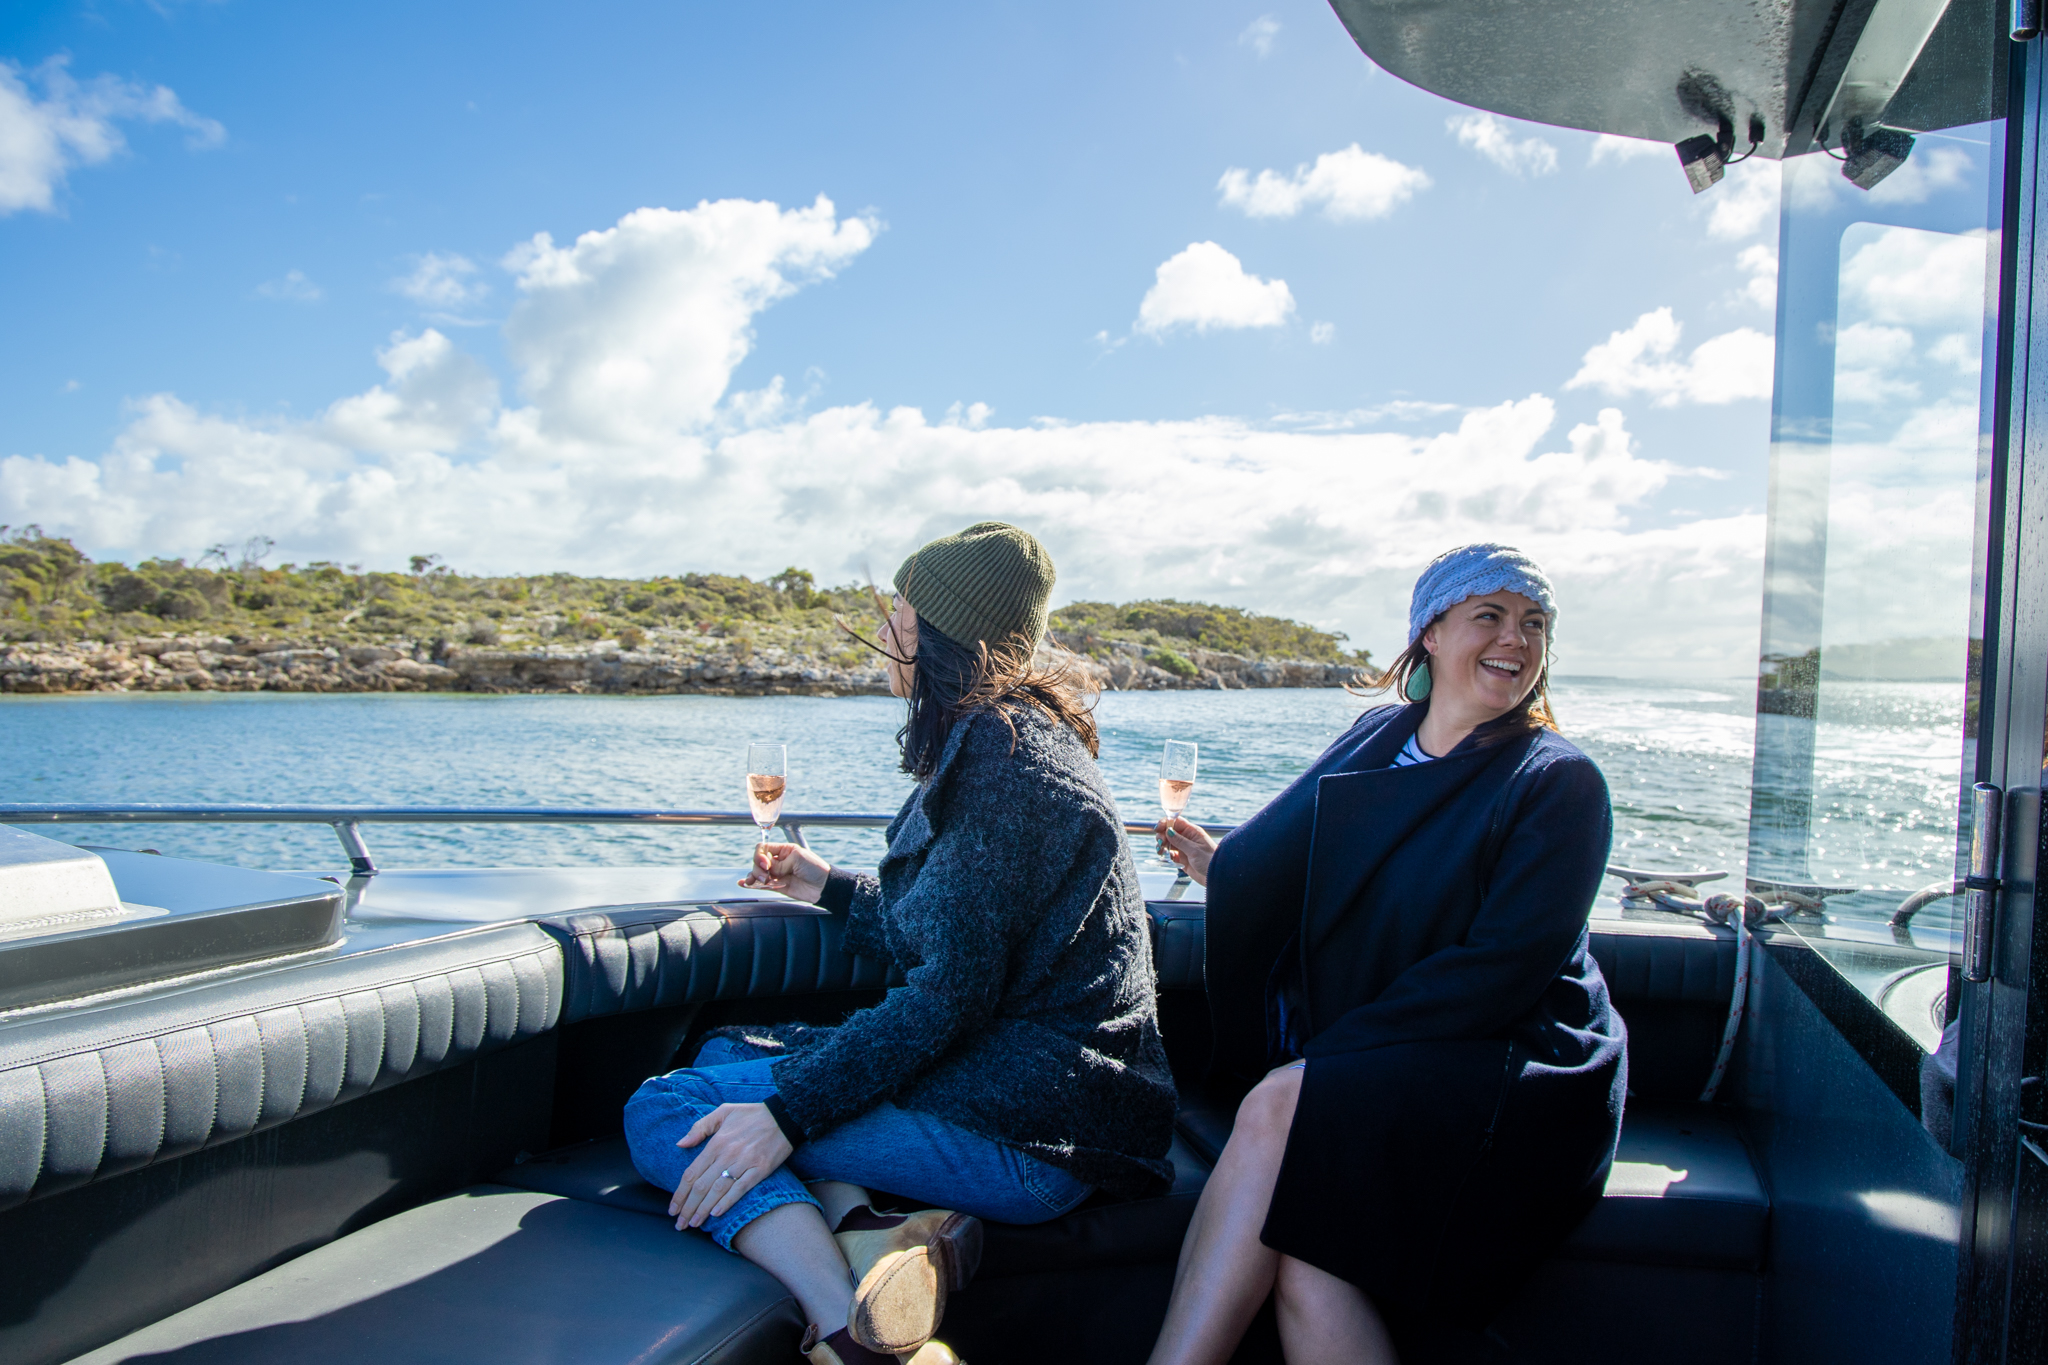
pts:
pixel 1417 686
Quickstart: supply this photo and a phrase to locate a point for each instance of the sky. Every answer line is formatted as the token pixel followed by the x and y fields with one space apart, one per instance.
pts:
pixel 1194 292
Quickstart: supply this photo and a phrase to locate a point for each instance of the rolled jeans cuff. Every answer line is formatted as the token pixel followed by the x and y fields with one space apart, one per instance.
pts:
pixel 772 1193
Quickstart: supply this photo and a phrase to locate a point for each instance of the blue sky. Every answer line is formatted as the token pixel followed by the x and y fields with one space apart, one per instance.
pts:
pixel 237 209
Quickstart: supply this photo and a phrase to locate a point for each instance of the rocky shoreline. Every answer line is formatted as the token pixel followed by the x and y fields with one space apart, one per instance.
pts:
pixel 604 667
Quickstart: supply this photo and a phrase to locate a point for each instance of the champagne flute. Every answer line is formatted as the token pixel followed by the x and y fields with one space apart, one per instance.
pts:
pixel 767 780
pixel 1176 780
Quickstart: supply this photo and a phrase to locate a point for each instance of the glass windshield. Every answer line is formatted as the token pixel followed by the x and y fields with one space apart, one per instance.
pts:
pixel 1879 444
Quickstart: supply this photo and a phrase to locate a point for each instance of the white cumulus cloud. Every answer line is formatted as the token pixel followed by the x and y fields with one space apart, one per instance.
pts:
pixel 1962 350
pixel 1919 278
pixel 1489 136
pixel 1927 172
pixel 440 281
pixel 1259 34
pixel 291 287
pixel 1644 359
pixel 438 399
pixel 1329 525
pixel 1610 147
pixel 1351 184
pixel 1867 356
pixel 1745 201
pixel 1207 288
pixel 1760 263
pixel 631 333
pixel 74 123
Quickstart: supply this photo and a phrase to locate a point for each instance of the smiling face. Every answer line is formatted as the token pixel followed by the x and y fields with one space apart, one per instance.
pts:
pixel 1485 656
pixel 899 637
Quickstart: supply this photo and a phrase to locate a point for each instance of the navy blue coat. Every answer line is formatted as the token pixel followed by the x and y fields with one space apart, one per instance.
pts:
pixel 1465 1068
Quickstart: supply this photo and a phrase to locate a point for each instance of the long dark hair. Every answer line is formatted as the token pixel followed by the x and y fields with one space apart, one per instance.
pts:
pixel 1534 713
pixel 951 680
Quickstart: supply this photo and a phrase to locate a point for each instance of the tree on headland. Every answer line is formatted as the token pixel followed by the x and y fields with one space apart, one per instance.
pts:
pixel 50 591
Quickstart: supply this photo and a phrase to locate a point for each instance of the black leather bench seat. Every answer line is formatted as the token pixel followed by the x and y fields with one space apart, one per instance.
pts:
pixel 516 1271
pixel 1683 1192
pixel 1100 1233
pixel 494 1274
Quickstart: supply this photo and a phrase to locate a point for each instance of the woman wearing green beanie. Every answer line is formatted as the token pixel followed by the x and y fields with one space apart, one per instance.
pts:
pixel 1018 1068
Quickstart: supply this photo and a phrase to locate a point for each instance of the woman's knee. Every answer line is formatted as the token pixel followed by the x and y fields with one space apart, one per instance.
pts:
pixel 678 1097
pixel 1294 1282
pixel 1301 1287
pixel 1266 1114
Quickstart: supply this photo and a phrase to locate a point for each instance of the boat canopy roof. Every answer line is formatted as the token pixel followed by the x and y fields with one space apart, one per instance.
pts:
pixel 1667 72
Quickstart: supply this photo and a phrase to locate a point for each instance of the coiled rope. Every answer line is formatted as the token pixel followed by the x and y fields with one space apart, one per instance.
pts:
pixel 1678 893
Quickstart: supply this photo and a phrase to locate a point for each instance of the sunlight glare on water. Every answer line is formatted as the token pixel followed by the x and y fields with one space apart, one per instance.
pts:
pixel 1677 757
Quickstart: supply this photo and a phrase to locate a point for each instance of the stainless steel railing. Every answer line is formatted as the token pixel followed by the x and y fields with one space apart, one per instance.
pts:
pixel 347 821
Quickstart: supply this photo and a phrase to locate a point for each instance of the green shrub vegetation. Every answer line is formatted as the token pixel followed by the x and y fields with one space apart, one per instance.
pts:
pixel 1095 627
pixel 1173 663
pixel 50 591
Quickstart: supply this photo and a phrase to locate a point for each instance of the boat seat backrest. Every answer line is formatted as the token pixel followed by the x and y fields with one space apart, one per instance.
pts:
pixel 1676 963
pixel 1697 967
pixel 618 959
pixel 623 958
pixel 101 1088
pixel 1671 983
pixel 93 1091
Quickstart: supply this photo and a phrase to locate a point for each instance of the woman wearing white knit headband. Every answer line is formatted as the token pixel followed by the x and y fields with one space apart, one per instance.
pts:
pixel 1398 965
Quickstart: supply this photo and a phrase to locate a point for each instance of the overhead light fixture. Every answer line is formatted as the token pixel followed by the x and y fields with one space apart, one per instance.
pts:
pixel 1869 155
pixel 1706 158
pixel 1704 165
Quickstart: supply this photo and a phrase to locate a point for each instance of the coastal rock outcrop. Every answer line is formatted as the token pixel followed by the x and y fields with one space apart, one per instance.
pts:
pixel 217 664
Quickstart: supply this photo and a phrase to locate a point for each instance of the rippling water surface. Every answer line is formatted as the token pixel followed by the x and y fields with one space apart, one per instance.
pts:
pixel 1677 757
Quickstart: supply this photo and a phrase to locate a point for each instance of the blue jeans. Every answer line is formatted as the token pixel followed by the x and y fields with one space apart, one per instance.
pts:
pixel 920 1157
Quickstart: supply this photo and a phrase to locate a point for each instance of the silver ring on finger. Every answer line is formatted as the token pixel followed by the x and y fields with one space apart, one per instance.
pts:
pixel 725 1175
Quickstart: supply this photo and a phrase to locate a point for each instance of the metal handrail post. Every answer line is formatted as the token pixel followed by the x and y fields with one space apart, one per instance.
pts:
pixel 360 863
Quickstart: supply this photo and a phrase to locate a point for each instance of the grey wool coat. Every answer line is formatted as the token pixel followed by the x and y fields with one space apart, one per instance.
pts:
pixel 1010 901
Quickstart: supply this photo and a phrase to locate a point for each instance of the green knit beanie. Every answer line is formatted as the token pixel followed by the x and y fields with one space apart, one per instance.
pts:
pixel 987 583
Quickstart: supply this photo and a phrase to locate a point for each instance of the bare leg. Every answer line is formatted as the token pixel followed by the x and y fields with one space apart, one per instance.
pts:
pixel 1225 1271
pixel 792 1243
pixel 1327 1321
pixel 838 1198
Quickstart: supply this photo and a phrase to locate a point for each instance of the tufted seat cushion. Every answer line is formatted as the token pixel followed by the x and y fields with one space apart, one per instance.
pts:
pixel 1097 1278
pixel 1683 1191
pixel 1101 1232
pixel 490 1274
pixel 105 1087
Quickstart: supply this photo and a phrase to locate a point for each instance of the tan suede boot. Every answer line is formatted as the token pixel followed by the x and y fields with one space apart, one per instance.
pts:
pixel 841 1349
pixel 898 1303
pixel 865 1236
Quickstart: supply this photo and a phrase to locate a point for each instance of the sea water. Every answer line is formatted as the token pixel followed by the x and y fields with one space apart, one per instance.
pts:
pixel 1677 757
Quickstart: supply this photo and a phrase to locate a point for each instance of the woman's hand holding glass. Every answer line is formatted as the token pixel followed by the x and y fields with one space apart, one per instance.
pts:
pixel 793 870
pixel 1188 845
pixel 743 1146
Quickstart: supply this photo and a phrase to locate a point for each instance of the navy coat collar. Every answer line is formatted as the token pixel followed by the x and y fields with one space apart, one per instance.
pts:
pixel 1364 814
